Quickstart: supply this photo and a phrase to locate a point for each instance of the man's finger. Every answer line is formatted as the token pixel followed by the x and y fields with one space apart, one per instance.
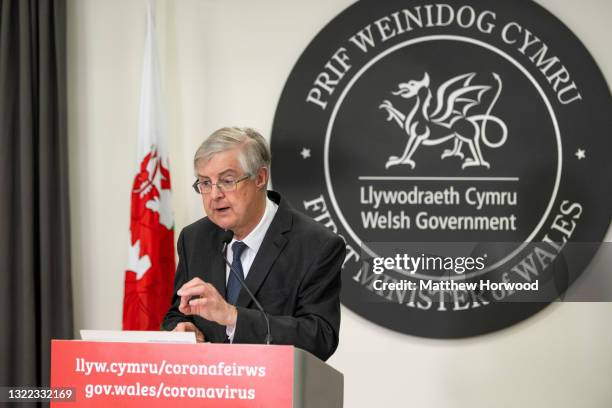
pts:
pixel 193 282
pixel 208 290
pixel 186 309
pixel 192 291
pixel 184 302
pixel 202 289
pixel 202 301
pixel 190 327
pixel 184 326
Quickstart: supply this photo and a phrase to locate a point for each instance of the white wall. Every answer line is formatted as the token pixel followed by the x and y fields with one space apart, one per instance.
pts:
pixel 225 63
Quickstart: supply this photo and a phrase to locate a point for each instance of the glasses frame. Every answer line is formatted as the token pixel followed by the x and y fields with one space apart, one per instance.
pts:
pixel 196 184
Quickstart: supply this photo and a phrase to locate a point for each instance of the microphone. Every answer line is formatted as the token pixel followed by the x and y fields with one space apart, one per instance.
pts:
pixel 226 239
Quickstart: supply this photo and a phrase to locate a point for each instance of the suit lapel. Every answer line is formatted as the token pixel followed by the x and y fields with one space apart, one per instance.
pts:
pixel 217 274
pixel 210 264
pixel 211 269
pixel 271 247
pixel 217 279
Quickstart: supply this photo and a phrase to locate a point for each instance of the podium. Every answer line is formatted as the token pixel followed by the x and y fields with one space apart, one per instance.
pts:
pixel 109 374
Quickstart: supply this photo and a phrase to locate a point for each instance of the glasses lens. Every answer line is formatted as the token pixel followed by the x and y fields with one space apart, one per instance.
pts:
pixel 227 184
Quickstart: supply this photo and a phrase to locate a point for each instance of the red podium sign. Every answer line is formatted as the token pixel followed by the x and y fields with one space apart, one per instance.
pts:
pixel 158 375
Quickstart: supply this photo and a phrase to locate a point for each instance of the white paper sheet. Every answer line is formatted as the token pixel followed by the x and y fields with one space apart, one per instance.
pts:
pixel 139 336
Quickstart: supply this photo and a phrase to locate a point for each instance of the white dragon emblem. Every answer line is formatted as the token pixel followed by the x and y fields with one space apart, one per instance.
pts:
pixel 450 119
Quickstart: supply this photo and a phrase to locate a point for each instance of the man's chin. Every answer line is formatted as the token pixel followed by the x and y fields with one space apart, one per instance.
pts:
pixel 222 223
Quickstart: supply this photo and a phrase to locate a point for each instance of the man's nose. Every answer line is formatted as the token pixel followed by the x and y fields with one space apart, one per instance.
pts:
pixel 216 192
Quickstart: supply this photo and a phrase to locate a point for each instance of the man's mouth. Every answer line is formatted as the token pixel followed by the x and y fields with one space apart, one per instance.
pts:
pixel 222 210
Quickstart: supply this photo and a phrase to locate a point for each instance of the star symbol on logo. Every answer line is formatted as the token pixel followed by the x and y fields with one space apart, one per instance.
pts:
pixel 580 154
pixel 305 153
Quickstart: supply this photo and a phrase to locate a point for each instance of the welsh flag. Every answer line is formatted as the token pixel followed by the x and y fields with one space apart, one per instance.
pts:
pixel 150 272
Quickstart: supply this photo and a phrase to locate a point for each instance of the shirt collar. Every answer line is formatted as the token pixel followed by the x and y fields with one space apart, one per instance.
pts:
pixel 254 239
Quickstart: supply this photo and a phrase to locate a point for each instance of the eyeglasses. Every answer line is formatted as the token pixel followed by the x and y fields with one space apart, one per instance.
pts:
pixel 225 185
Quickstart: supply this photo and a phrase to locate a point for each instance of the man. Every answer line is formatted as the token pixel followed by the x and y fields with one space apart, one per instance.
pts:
pixel 290 263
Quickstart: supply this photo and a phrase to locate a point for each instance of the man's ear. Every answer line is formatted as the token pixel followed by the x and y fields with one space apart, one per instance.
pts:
pixel 261 181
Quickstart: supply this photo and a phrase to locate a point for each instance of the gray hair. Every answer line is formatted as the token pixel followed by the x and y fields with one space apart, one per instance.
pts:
pixel 254 152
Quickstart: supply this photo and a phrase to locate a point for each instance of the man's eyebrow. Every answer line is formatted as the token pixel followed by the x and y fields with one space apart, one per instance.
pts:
pixel 223 173
pixel 227 172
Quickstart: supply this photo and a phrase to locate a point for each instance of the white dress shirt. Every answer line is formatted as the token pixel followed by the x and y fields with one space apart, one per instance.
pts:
pixel 252 241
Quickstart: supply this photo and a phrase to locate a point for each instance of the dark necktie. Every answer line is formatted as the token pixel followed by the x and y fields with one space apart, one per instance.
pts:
pixel 233 285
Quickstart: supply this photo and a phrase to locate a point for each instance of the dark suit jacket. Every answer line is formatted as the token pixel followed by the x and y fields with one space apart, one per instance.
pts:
pixel 295 276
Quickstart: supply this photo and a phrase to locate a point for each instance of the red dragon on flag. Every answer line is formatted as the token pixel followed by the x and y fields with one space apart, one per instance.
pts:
pixel 149 276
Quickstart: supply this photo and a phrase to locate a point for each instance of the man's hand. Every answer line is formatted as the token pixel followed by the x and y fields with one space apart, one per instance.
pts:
pixel 202 299
pixel 190 327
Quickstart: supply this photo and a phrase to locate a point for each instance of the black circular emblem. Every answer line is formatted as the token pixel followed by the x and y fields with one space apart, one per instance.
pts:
pixel 481 125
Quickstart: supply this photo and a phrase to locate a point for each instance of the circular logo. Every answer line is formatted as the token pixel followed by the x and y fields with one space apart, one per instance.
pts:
pixel 473 131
